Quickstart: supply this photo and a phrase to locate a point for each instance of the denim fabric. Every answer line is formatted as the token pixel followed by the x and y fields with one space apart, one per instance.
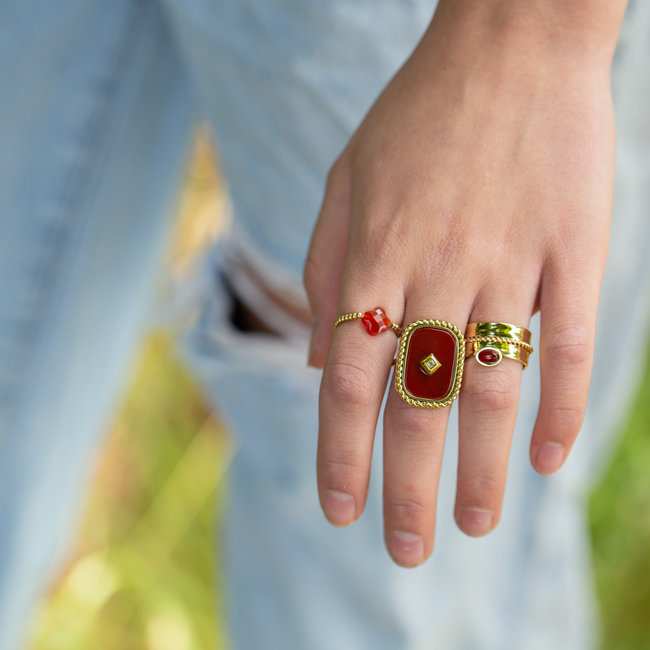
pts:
pixel 94 121
pixel 94 133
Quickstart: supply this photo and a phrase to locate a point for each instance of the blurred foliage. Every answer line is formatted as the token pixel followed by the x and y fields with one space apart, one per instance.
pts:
pixel 620 525
pixel 203 207
pixel 142 574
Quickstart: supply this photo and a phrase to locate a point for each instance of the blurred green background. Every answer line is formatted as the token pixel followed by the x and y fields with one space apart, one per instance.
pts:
pixel 142 573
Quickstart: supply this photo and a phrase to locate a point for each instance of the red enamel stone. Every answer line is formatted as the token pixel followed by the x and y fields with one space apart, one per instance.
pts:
pixel 375 321
pixel 488 356
pixel 424 341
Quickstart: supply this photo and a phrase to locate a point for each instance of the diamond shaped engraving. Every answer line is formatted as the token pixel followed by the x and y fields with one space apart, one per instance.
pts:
pixel 430 364
pixel 420 340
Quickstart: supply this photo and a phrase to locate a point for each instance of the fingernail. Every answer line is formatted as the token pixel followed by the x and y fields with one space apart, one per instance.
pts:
pixel 407 549
pixel 549 457
pixel 339 507
pixel 475 521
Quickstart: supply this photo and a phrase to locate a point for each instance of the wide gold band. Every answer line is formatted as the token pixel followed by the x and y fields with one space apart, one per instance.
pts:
pixel 505 330
pixel 502 339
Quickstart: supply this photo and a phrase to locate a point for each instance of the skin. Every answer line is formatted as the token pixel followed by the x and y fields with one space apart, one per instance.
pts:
pixel 477 188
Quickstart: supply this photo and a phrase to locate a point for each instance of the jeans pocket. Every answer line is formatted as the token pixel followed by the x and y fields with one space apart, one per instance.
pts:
pixel 261 386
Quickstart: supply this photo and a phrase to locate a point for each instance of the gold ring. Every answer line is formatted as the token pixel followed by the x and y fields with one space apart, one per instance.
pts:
pixel 375 321
pixel 491 342
pixel 429 364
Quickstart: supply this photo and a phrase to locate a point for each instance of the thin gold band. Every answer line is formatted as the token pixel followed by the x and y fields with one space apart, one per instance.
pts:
pixel 500 339
pixel 347 317
pixel 359 314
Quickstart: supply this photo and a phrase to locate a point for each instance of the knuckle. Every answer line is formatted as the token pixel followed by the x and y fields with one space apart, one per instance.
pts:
pixel 407 511
pixel 412 422
pixel 482 487
pixel 450 253
pixel 349 384
pixel 570 346
pixel 569 233
pixel 564 418
pixel 379 244
pixel 496 391
pixel 339 472
pixel 364 163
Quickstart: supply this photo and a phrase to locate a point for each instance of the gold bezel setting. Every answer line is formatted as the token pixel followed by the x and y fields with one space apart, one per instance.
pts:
pixel 491 348
pixel 400 364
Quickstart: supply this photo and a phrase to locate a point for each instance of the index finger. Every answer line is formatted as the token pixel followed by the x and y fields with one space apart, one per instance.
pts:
pixel 352 389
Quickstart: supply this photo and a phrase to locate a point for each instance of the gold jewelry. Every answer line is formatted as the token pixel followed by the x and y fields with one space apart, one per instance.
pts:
pixel 506 330
pixel 429 364
pixel 490 342
pixel 347 317
pixel 375 321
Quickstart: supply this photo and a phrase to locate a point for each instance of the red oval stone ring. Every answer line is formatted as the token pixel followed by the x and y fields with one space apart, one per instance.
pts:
pixel 491 342
pixel 375 321
pixel 429 364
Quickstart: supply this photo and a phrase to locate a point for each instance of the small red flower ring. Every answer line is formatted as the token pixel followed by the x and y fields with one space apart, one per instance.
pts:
pixel 375 321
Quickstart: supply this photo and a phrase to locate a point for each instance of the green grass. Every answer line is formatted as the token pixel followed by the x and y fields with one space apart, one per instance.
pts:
pixel 620 525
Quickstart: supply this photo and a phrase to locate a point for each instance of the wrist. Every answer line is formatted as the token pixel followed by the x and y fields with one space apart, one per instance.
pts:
pixel 537 36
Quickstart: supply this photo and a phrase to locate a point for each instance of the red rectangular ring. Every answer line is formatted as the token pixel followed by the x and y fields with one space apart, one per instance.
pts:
pixel 429 365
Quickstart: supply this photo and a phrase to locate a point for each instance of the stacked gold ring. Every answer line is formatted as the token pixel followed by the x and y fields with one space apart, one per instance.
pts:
pixel 490 342
pixel 432 352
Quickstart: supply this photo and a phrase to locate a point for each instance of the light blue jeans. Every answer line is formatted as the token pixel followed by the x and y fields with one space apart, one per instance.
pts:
pixel 96 108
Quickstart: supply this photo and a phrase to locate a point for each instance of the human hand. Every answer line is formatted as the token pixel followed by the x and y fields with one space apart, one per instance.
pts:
pixel 477 188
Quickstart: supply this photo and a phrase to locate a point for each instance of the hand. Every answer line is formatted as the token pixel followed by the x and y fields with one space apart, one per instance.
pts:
pixel 477 188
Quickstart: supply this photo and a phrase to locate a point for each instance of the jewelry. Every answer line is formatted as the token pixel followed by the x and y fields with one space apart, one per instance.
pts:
pixel 429 364
pixel 491 342
pixel 375 321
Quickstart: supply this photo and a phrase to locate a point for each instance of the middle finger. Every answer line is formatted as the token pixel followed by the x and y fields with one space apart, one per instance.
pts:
pixel 413 448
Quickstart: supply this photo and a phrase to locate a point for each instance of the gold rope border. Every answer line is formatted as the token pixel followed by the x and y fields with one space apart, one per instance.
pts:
pixel 401 362
pixel 501 339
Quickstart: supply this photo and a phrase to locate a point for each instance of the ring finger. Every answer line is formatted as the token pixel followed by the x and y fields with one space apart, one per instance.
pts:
pixel 487 413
